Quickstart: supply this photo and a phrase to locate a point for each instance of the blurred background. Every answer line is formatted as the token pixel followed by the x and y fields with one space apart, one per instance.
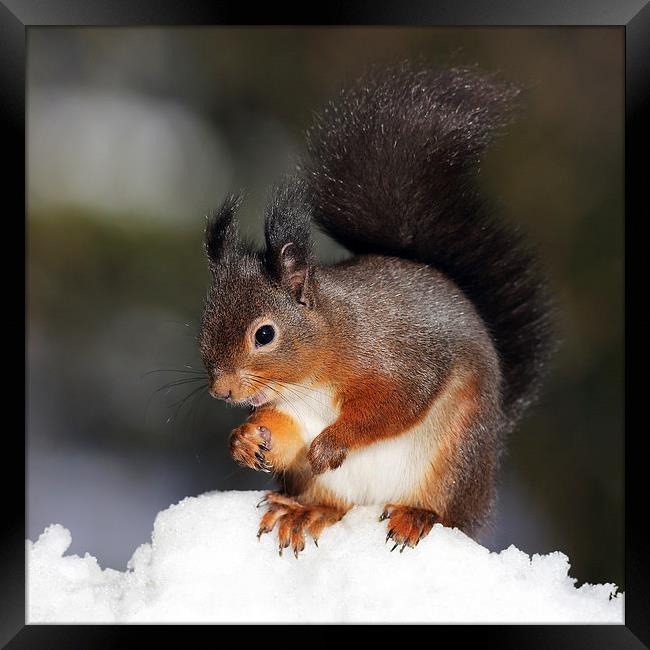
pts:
pixel 135 134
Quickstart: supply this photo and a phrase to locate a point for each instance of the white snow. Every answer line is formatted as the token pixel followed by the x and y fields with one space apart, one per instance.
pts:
pixel 204 564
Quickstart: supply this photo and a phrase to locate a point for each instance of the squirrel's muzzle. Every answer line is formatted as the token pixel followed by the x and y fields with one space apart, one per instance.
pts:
pixel 223 387
pixel 218 395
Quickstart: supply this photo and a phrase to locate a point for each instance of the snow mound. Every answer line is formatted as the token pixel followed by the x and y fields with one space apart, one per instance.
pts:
pixel 204 564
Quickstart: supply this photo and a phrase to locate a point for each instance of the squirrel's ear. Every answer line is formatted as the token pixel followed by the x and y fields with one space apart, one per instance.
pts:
pixel 294 273
pixel 288 243
pixel 221 232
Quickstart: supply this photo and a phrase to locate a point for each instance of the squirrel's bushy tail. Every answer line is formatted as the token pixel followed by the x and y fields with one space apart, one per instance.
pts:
pixel 393 168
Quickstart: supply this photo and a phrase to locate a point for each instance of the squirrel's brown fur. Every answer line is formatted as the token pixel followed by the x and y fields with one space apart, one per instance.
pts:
pixel 392 377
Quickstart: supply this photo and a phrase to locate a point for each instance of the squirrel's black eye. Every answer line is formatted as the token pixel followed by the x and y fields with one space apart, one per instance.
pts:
pixel 264 335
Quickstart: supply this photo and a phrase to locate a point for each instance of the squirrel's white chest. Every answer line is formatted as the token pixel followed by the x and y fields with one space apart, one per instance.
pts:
pixel 311 408
pixel 382 472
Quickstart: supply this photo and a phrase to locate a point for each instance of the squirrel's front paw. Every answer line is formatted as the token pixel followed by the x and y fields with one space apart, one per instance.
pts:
pixel 326 452
pixel 248 446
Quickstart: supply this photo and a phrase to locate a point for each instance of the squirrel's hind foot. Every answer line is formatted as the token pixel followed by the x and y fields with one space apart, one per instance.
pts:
pixel 407 526
pixel 295 520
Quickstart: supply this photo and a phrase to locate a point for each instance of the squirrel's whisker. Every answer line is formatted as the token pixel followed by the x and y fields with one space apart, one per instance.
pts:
pixel 264 384
pixel 184 399
pixel 179 382
pixel 182 371
pixel 301 392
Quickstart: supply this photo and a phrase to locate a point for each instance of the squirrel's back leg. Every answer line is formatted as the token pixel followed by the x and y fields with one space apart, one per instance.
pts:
pixel 458 488
pixel 407 525
pixel 296 519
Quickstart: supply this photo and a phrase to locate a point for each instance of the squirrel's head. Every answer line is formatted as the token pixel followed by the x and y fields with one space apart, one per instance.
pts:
pixel 259 329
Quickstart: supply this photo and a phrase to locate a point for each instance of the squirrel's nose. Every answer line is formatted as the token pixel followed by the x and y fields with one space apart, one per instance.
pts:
pixel 220 394
pixel 221 387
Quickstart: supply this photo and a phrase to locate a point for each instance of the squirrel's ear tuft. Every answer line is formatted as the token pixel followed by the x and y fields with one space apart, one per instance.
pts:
pixel 288 242
pixel 221 232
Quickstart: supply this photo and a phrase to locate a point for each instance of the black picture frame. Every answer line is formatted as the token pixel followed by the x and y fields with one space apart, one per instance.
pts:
pixel 16 16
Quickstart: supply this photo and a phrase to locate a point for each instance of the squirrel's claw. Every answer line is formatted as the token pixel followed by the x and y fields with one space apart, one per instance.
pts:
pixel 262 464
pixel 262 529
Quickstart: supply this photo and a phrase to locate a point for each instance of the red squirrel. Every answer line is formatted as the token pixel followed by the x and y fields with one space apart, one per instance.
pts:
pixel 392 377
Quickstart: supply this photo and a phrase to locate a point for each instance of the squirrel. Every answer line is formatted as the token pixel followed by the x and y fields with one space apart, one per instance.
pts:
pixel 393 377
